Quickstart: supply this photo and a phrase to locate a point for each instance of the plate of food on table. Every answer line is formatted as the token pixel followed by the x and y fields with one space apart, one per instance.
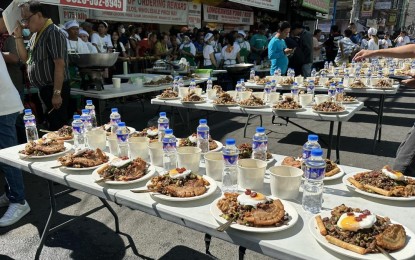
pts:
pixel 361 234
pixel 286 81
pixel 64 133
pixel 349 100
pixel 386 184
pixel 258 80
pixel 287 105
pixel 252 211
pixel 44 148
pixel 383 83
pixel 224 99
pixel 168 94
pixel 252 102
pixel 328 107
pixel 191 140
pixel 180 184
pixel 83 160
pixel 192 98
pixel 334 81
pixel 357 84
pixel 121 171
pixel 151 132
pixel 332 171
pixel 107 129
pixel 245 152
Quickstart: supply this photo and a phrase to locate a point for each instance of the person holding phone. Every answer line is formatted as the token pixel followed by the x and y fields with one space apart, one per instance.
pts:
pixel 277 49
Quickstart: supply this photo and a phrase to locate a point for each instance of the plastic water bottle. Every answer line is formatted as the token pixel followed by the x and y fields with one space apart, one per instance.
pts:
pixel 313 72
pixel 180 82
pixel 368 76
pixel 192 85
pixel 78 130
pixel 313 184
pixel 311 144
pixel 332 91
pixel 330 65
pixel 294 91
pixel 30 125
pixel 260 144
pixel 203 136
pixel 273 86
pixel 326 65
pixel 413 67
pixel 175 84
pixel 310 87
pixel 336 72
pixel 115 118
pixel 339 93
pixel 169 150
pixel 92 113
pixel 86 118
pixel 238 89
pixel 230 171
pixel 278 72
pixel 267 91
pixel 209 84
pixel 163 124
pixel 252 74
pixel 122 139
pixel 242 81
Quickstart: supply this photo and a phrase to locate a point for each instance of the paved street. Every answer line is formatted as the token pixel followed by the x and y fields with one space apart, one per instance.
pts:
pixel 147 237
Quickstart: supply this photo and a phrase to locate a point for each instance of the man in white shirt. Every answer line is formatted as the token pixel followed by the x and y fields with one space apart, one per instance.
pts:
pixel 10 107
pixel 402 39
pixel 102 40
pixel 84 37
pixel 385 42
pixel 75 44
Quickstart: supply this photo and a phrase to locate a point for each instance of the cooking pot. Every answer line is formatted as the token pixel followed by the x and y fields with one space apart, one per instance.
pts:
pixel 238 68
pixel 94 60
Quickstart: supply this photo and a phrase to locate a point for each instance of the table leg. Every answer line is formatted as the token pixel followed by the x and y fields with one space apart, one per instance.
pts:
pixel 339 130
pixel 101 109
pixel 208 238
pixel 241 252
pixel 188 121
pixel 330 139
pixel 246 124
pixel 111 210
pixel 378 129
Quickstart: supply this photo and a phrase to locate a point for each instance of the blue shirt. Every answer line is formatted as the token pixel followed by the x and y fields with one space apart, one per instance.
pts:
pixel 277 55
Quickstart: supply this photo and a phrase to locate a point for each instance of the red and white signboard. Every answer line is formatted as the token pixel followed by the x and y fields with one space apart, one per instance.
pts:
pixel 231 16
pixel 70 13
pixel 110 5
pixel 148 11
pixel 194 18
pixel 266 4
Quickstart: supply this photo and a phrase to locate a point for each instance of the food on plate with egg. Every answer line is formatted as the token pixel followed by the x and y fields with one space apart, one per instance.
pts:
pixel 192 97
pixel 245 151
pixel 123 170
pixel 252 101
pixel 107 128
pixel 151 132
pixel 386 182
pixel 44 146
pixel 179 182
pixel 358 83
pixel 169 93
pixel 253 209
pixel 331 167
pixel 383 83
pixel 63 133
pixel 360 231
pixel 224 99
pixel 84 158
pixel 192 141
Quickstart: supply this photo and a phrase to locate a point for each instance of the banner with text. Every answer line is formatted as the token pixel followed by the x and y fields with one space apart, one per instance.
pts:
pixel 321 6
pixel 149 11
pixel 231 16
pixel 266 4
pixel 70 13
pixel 194 18
pixel 110 5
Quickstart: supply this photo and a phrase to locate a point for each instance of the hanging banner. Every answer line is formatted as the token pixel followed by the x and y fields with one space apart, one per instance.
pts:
pixel 148 11
pixel 110 5
pixel 321 6
pixel 194 18
pixel 367 8
pixel 231 16
pixel 265 4
pixel 70 13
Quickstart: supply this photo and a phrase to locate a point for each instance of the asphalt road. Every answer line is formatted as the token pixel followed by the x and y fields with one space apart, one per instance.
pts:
pixel 147 237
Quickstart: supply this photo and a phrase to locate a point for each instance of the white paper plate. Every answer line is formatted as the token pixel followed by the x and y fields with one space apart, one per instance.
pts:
pixel 373 195
pixel 330 112
pixel 225 105
pixel 110 157
pixel 150 172
pixel 407 252
pixel 68 147
pixel 210 190
pixel 350 102
pixel 216 213
pixel 287 110
pixel 65 140
pixel 193 102
pixel 254 107
pixel 170 98
pixel 219 144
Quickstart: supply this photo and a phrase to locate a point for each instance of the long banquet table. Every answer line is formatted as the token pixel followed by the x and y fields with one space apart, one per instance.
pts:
pixel 306 113
pixel 294 243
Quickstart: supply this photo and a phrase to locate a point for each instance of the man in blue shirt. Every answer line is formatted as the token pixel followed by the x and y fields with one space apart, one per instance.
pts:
pixel 277 49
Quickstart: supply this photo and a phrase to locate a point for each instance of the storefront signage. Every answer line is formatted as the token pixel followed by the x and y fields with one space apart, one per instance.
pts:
pixel 321 6
pixel 69 13
pixel 149 11
pixel 367 8
pixel 194 19
pixel 266 4
pixel 110 5
pixel 383 5
pixel 230 16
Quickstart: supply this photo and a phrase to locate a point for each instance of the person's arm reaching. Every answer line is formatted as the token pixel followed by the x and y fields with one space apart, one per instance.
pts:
pixel 406 51
pixel 20 47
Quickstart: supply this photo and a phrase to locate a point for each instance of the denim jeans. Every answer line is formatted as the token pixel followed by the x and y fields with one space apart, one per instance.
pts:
pixel 14 180
pixel 405 156
pixel 306 69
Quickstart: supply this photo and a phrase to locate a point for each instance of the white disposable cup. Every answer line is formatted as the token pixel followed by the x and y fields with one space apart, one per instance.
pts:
pixel 259 95
pixel 138 82
pixel 285 181
pixel 299 80
pixel 322 81
pixel 183 91
pixel 97 139
pixel 214 165
pixel 116 82
pixel 232 93
pixel 286 95
pixel 245 95
pixel 155 150
pixel 320 98
pixel 113 144
pixel 189 157
pixel 198 91
pixel 274 97
pixel 305 99
pixel 211 94
pixel 138 147
pixel 251 174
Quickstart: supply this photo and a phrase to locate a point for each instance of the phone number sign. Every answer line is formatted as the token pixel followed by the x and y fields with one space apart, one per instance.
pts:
pixel 109 5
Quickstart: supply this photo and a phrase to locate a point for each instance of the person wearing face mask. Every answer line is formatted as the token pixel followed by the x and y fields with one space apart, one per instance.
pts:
pixel 123 36
pixel 277 49
pixel 209 60
pixel 188 51
pixel 84 37
pixel 101 40
pixel 244 45
pixel 75 44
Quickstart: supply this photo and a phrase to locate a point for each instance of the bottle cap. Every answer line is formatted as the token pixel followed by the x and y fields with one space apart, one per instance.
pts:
pixel 202 121
pixel 260 129
pixel 163 114
pixel 114 110
pixel 209 78
pixel 121 124
pixel 89 102
pixel 168 131
pixel 28 111
pixel 316 152
pixel 85 111
pixel 76 117
pixel 230 141
pixel 312 138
